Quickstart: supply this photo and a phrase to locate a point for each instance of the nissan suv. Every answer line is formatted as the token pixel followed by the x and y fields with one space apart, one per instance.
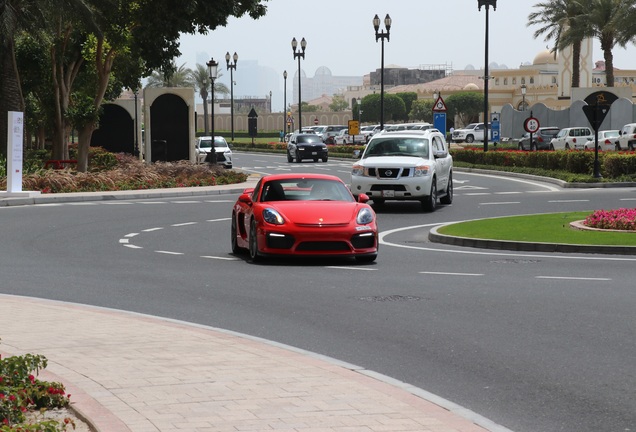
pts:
pixel 405 165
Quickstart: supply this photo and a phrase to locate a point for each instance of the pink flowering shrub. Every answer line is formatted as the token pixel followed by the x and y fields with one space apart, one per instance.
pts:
pixel 621 219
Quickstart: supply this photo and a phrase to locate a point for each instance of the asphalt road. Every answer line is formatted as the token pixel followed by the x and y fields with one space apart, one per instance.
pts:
pixel 534 342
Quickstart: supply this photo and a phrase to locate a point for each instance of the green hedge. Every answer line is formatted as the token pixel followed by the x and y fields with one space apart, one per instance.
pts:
pixel 613 165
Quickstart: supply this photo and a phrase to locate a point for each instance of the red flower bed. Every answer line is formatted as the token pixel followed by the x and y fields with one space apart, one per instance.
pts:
pixel 621 219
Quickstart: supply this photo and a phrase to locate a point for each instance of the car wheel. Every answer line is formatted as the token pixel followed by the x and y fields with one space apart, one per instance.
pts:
pixel 289 157
pixel 254 256
pixel 315 159
pixel 567 146
pixel 533 147
pixel 470 139
pixel 235 247
pixel 448 198
pixel 630 146
pixel 366 258
pixel 298 159
pixel 520 146
pixel 551 147
pixel 430 202
pixel 617 147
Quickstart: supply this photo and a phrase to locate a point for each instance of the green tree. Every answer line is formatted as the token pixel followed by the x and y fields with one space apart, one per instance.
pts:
pixel 201 80
pixel 605 21
pixel 173 77
pixel 408 98
pixel 338 103
pixel 394 108
pixel 465 105
pixel 422 109
pixel 558 21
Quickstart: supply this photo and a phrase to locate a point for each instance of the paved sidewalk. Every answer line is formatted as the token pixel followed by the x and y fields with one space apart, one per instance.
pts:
pixel 131 372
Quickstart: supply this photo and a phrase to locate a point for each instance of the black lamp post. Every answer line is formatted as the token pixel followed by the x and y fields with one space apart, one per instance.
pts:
pixel 299 55
pixel 285 102
pixel 524 89
pixel 136 150
pixel 231 67
pixel 486 3
pixel 382 35
pixel 213 68
pixel 359 102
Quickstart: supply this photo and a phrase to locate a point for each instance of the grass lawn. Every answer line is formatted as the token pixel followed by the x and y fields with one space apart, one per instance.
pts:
pixel 543 228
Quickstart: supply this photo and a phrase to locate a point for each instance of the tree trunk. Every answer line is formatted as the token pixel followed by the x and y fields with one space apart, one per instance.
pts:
pixel 576 64
pixel 606 45
pixel 83 145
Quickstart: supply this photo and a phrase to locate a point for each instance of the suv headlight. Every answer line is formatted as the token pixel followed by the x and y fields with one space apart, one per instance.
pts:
pixel 365 216
pixel 421 171
pixel 357 170
pixel 272 216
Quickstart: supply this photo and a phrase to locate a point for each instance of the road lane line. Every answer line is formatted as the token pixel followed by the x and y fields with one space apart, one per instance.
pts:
pixel 220 258
pixel 574 278
pixel 184 224
pixel 451 274
pixel 500 203
pixel 169 252
pixel 350 268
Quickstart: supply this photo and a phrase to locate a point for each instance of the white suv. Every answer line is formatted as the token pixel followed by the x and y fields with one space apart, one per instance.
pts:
pixel 405 165
pixel 222 150
pixel 627 138
pixel 572 138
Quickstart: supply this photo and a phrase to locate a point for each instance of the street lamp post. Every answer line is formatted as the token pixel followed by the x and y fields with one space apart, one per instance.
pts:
pixel 299 55
pixel 359 101
pixel 213 68
pixel 285 102
pixel 382 35
pixel 487 4
pixel 231 67
pixel 524 89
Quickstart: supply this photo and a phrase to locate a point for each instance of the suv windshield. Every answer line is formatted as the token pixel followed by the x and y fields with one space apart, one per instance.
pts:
pixel 309 139
pixel 417 147
pixel 218 142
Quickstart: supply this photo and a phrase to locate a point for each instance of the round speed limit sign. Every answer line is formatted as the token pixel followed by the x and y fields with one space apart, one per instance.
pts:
pixel 531 125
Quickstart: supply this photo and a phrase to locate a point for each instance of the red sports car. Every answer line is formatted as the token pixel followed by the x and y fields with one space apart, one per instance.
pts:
pixel 304 214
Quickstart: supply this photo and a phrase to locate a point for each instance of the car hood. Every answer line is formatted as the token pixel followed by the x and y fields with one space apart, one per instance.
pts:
pixel 318 212
pixel 393 161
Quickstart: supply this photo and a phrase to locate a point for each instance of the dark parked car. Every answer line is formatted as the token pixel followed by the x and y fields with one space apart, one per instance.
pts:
pixel 306 146
pixel 540 139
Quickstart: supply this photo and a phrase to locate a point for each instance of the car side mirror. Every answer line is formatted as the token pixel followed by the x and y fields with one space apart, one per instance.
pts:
pixel 363 198
pixel 245 198
pixel 440 154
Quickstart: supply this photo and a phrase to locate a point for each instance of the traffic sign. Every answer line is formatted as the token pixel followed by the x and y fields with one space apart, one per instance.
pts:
pixel 531 125
pixel 354 127
pixel 439 105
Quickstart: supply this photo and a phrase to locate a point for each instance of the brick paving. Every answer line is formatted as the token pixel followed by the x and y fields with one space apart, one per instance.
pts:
pixel 135 373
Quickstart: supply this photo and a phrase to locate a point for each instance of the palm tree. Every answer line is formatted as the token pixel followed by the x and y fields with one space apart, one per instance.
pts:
pixel 607 24
pixel 201 80
pixel 177 77
pixel 557 20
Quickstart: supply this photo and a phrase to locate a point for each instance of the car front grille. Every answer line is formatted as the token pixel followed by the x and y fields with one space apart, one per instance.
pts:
pixel 389 172
pixel 323 246
pixel 280 241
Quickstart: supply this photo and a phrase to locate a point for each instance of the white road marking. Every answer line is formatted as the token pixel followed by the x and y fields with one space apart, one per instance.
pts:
pixel 117 203
pixel 131 235
pixel 82 203
pixel 452 274
pixel 627 199
pixel 573 278
pixel 351 268
pixel 528 182
pixel 152 229
pixel 568 201
pixel 220 201
pixel 220 258
pixel 186 202
pixel 123 240
pixel 184 224
pixel 153 202
pixel 218 220
pixel 500 203
pixel 507 193
pixel 169 252
pixel 133 246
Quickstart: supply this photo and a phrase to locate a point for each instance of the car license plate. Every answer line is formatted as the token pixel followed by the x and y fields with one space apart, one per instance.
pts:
pixel 314 153
pixel 388 193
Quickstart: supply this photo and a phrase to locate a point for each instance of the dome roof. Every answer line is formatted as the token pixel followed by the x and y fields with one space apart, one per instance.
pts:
pixel 323 70
pixel 544 57
pixel 471 86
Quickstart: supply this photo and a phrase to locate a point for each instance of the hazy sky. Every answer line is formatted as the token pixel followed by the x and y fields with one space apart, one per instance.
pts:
pixel 340 35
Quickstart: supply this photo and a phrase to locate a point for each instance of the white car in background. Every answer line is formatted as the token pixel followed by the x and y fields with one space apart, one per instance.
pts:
pixel 606 140
pixel 572 138
pixel 627 138
pixel 223 152
pixel 408 165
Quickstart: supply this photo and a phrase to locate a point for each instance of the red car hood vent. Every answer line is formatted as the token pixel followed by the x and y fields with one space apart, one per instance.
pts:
pixel 317 213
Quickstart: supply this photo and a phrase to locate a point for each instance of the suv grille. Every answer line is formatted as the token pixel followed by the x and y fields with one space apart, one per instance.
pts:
pixel 389 172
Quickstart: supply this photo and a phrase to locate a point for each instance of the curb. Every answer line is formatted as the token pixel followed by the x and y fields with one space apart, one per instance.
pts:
pixel 435 237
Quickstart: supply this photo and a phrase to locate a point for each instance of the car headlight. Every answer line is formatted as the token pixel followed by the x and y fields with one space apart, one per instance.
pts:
pixel 421 171
pixel 365 216
pixel 272 216
pixel 357 170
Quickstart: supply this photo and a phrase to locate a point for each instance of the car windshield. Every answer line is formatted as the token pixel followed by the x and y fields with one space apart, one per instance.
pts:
pixel 309 139
pixel 303 189
pixel 207 143
pixel 417 147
